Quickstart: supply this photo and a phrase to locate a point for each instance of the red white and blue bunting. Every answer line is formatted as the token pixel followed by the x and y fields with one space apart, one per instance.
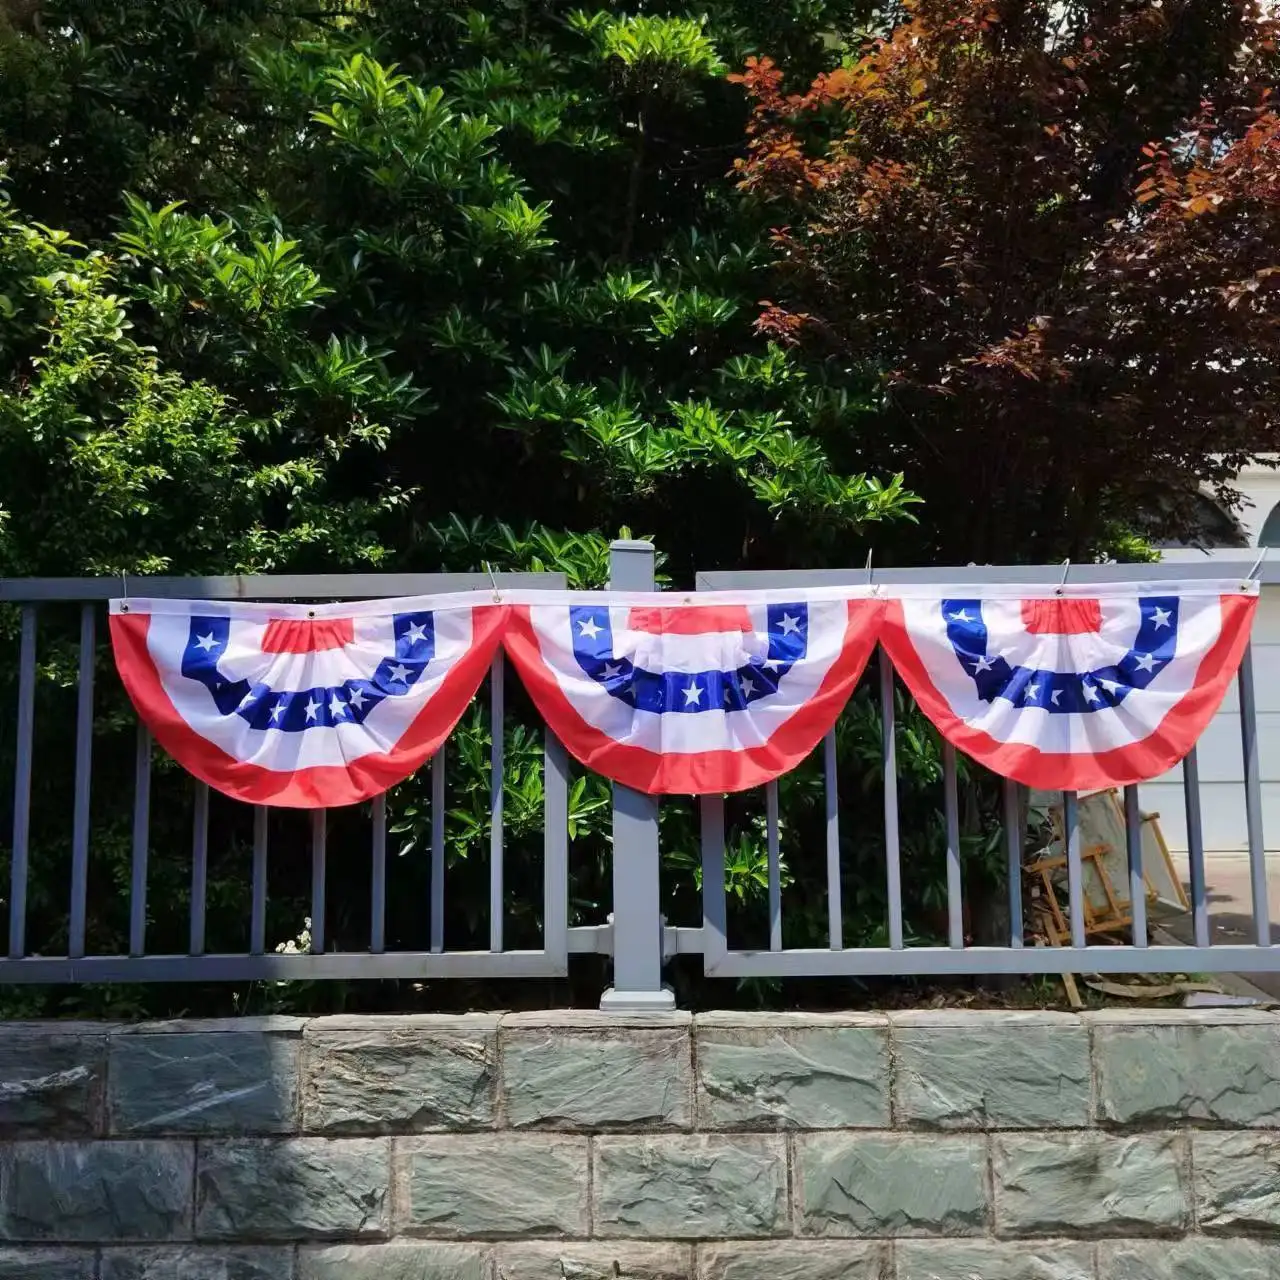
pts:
pixel 305 707
pixel 1062 688
pixel 708 695
pixel 1071 688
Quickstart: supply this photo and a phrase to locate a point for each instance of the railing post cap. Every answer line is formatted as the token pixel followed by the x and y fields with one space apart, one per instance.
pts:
pixel 630 544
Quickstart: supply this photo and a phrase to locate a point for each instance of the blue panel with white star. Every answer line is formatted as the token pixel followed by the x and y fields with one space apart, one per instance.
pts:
pixel 295 710
pixel 1063 693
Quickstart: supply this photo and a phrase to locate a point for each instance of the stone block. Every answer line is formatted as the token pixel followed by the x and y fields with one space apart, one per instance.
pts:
pixel 569 1079
pixel 1237 1180
pixel 51 1084
pixel 95 1191
pixel 685 1186
pixel 988 1260
pixel 491 1186
pixel 46 1264
pixel 593 1260
pixel 821 1074
pixel 1095 1184
pixel 399 1260
pixel 1190 1259
pixel 197 1264
pixel 410 1078
pixel 890 1184
pixel 218 1083
pixel 795 1260
pixel 1226 1074
pixel 293 1189
pixel 978 1070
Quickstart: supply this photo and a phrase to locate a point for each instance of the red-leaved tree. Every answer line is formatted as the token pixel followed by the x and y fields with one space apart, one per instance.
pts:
pixel 1053 230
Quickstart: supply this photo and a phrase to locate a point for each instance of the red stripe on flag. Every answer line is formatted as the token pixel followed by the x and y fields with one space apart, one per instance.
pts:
pixel 305 635
pixel 688 620
pixel 1064 617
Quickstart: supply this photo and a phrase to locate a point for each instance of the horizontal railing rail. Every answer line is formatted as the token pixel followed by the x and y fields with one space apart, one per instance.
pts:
pixel 636 936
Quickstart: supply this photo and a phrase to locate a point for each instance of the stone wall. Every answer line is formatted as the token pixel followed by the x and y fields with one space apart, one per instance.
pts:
pixel 922 1146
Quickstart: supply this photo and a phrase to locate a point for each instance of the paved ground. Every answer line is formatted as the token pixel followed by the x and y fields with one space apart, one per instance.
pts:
pixel 1231 908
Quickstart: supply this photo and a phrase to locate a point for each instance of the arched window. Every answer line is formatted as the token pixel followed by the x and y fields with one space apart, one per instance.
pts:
pixel 1270 535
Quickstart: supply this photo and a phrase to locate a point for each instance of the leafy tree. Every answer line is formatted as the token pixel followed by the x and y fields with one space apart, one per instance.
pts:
pixel 409 285
pixel 1050 230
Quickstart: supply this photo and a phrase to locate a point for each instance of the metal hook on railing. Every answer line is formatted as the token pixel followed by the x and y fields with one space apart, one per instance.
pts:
pixel 1066 569
pixel 124 592
pixel 1252 575
pixel 497 594
pixel 870 552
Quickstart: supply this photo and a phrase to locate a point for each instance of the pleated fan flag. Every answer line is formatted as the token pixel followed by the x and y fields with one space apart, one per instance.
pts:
pixel 299 706
pixel 693 694
pixel 1073 688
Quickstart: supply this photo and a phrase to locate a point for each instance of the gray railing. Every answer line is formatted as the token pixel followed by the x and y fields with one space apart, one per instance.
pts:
pixel 636 936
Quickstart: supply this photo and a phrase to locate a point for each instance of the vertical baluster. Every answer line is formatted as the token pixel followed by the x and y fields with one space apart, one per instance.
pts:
pixel 199 866
pixel 437 849
pixel 319 834
pixel 141 841
pixel 497 718
pixel 951 807
pixel 775 865
pixel 1075 872
pixel 84 772
pixel 1195 847
pixel 1013 850
pixel 715 906
pixel 378 893
pixel 22 785
pixel 258 907
pixel 555 864
pixel 889 756
pixel 1137 882
pixel 835 909
pixel 1253 801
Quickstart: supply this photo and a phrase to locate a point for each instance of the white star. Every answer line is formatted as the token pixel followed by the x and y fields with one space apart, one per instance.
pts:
pixel 1110 686
pixel 312 707
pixel 612 670
pixel 1091 693
pixel 1145 662
pixel 1033 690
pixel 415 633
pixel 1054 696
pixel 748 686
pixel 248 698
pixel 399 673
pixel 589 629
pixel 790 625
pixel 206 642
pixel 984 664
pixel 693 696
pixel 336 706
pixel 357 699
pixel 772 664
pixel 962 616
pixel 1160 617
pixel 277 711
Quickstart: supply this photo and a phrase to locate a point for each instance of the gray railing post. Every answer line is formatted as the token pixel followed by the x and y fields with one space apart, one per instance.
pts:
pixel 637 916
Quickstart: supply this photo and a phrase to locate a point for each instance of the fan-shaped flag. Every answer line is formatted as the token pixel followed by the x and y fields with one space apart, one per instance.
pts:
pixel 702 694
pixel 300 706
pixel 1075 688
